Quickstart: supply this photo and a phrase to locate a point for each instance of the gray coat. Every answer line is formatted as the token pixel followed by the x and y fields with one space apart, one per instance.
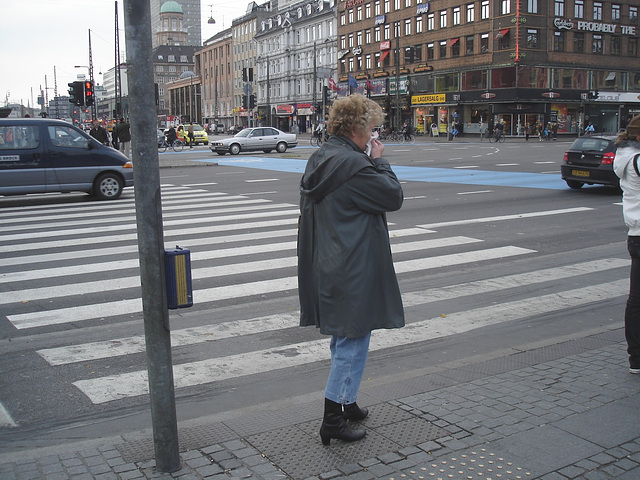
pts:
pixel 346 281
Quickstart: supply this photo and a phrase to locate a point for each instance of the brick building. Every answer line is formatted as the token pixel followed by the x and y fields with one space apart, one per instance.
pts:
pixel 476 62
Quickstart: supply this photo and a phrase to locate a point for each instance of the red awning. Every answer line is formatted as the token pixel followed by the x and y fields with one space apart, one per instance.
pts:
pixel 502 33
pixel 453 41
pixel 384 55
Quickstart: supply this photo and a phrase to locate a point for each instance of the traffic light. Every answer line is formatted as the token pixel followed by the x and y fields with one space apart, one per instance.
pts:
pixel 252 102
pixel 88 93
pixel 325 95
pixel 76 95
pixel 245 101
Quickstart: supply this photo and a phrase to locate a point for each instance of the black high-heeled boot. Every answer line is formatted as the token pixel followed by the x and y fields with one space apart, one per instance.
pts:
pixel 354 413
pixel 335 426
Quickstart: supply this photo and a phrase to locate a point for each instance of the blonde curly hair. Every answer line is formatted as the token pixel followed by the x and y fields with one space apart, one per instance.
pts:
pixel 353 110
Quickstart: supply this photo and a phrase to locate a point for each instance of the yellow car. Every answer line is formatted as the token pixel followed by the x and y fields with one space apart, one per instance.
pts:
pixel 199 134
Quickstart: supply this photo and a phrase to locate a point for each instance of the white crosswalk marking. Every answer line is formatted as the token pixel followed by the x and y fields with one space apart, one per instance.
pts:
pixel 106 389
pixel 209 333
pixel 61 265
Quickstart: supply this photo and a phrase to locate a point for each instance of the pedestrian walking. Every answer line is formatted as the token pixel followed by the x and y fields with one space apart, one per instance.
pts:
pixel 346 280
pixel 99 133
pixel 191 136
pixel 527 131
pixel 124 137
pixel 627 168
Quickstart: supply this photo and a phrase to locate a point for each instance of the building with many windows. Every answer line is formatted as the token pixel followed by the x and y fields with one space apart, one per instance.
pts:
pixel 214 65
pixel 296 57
pixel 476 62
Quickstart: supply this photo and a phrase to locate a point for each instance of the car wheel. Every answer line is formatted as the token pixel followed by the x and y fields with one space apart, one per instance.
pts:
pixel 107 186
pixel 234 149
pixel 268 150
pixel 206 143
pixel 574 184
pixel 281 147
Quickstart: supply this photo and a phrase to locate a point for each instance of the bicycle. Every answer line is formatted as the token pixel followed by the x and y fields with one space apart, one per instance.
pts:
pixel 483 134
pixel 409 138
pixel 176 146
pixel 316 139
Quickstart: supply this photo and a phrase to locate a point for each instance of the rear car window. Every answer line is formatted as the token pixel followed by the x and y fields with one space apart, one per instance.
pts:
pixel 591 144
pixel 19 137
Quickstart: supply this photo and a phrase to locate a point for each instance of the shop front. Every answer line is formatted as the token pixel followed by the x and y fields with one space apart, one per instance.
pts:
pixel 434 113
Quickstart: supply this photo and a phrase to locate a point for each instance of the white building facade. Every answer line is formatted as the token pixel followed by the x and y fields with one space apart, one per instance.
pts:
pixel 296 56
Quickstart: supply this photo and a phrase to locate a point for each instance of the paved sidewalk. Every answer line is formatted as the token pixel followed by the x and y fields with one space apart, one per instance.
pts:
pixel 564 411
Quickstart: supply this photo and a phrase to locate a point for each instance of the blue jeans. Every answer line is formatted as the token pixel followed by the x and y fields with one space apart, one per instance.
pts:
pixel 348 358
pixel 632 311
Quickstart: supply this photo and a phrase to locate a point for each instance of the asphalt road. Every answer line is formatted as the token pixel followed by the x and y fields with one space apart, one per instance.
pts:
pixel 485 266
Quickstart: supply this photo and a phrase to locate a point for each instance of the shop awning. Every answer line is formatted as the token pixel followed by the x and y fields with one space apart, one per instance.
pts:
pixel 502 33
pixel 611 76
pixel 453 41
pixel 384 55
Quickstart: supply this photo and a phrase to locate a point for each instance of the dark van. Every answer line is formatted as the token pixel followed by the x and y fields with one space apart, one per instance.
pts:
pixel 47 155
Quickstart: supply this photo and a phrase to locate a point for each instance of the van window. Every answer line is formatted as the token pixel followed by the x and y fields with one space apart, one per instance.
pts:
pixel 63 136
pixel 19 137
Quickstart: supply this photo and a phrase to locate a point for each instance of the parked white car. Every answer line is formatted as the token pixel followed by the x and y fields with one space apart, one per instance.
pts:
pixel 255 139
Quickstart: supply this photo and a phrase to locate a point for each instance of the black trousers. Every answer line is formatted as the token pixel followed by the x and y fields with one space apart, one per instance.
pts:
pixel 632 311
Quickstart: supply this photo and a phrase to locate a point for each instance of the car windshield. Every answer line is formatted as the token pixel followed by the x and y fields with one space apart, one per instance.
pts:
pixel 243 133
pixel 197 128
pixel 591 144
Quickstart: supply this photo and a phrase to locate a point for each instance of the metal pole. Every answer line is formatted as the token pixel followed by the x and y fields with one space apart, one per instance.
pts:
pixel 398 116
pixel 146 173
pixel 315 84
pixel 268 94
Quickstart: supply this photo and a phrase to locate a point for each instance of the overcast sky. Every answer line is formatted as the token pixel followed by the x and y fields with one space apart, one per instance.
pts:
pixel 38 35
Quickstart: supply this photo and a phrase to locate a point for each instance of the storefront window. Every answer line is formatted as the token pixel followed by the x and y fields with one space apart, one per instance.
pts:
pixel 474 80
pixel 503 77
pixel 533 77
pixel 446 83
pixel 569 78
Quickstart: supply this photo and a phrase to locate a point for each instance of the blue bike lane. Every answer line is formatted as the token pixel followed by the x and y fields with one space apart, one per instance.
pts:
pixel 545 181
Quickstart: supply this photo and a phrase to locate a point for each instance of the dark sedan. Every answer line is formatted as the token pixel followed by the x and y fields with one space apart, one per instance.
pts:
pixel 589 161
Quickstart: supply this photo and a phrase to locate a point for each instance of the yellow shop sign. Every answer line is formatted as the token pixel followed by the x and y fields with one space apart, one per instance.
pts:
pixel 433 98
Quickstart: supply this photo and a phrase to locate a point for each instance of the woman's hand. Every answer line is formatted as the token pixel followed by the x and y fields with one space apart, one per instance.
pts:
pixel 377 149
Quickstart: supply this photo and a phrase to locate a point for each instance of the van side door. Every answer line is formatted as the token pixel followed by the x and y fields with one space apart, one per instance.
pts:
pixel 73 164
pixel 22 163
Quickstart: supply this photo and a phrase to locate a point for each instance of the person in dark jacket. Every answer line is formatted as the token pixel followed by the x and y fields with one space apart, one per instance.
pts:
pixel 123 132
pixel 99 133
pixel 346 281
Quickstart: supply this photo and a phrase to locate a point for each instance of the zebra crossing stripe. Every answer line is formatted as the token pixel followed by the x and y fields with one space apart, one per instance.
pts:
pixel 209 255
pixel 208 333
pixel 127 307
pixel 132 237
pixel 112 216
pixel 5 418
pixel 114 387
pixel 133 249
pixel 78 289
pixel 132 226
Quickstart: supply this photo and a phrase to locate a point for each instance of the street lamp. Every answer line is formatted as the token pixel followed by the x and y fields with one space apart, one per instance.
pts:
pixel 190 75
